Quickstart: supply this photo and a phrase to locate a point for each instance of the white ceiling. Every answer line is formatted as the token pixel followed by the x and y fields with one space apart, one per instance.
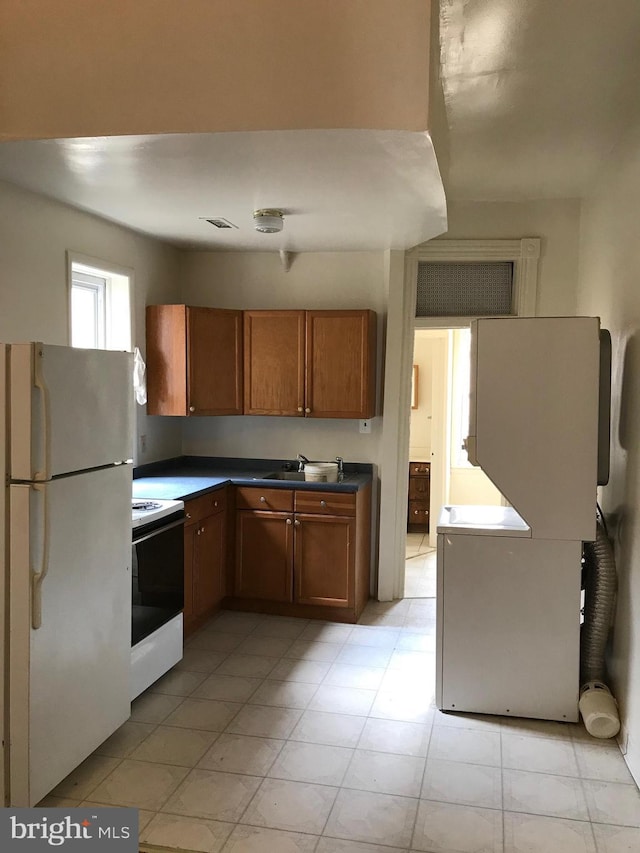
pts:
pixel 339 190
pixel 529 100
pixel 534 94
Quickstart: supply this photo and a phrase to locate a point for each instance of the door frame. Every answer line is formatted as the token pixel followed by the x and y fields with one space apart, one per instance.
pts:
pixel 401 273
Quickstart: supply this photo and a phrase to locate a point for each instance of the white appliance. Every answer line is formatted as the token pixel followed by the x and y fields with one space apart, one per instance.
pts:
pixel 157 591
pixel 145 511
pixel 509 578
pixel 66 423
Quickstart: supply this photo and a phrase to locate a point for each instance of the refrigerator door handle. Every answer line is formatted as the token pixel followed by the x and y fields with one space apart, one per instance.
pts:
pixel 38 577
pixel 41 385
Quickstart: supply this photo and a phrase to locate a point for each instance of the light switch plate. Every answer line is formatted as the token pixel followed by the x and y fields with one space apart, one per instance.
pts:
pixel 365 426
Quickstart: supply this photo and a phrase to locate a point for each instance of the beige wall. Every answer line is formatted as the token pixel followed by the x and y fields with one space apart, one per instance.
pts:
pixel 160 66
pixel 556 222
pixel 257 280
pixel 35 234
pixel 610 287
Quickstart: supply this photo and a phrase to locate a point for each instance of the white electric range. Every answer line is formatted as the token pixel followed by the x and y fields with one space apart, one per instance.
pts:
pixel 157 589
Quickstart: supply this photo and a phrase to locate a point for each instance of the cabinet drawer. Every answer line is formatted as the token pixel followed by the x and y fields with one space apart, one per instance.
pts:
pixel 419 469
pixel 209 504
pixel 418 512
pixel 248 497
pixel 326 503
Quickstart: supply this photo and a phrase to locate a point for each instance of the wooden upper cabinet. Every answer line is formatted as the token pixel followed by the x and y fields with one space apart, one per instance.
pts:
pixel 318 364
pixel 274 362
pixel 194 361
pixel 340 364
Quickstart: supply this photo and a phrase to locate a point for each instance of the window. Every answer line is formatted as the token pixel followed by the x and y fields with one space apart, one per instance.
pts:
pixel 99 305
pixel 88 317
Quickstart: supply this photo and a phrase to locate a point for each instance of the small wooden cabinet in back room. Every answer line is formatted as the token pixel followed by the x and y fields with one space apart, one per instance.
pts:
pixel 419 497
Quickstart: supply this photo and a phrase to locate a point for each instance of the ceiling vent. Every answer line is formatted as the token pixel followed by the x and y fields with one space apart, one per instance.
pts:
pixel 268 220
pixel 219 222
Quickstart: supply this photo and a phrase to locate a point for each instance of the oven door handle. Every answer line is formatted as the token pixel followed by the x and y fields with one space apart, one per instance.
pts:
pixel 179 523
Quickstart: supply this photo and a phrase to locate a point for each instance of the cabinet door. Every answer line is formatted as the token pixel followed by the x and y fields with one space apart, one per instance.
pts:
pixel 208 563
pixel 264 555
pixel 166 335
pixel 194 361
pixel 274 363
pixel 214 346
pixel 340 364
pixel 324 560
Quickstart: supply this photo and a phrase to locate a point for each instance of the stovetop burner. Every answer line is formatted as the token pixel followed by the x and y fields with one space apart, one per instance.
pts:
pixel 141 506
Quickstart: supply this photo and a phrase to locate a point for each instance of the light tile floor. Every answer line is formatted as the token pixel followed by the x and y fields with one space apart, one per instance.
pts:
pixel 420 567
pixel 288 736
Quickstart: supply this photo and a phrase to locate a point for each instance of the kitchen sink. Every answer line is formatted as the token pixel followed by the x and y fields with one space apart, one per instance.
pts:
pixel 284 475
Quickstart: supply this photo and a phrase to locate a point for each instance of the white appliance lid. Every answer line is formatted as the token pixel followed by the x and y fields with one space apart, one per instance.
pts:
pixel 482 521
pixel 145 510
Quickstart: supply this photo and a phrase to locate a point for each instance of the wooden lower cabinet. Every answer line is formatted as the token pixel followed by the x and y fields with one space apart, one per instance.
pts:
pixel 419 497
pixel 264 555
pixel 324 560
pixel 205 557
pixel 313 562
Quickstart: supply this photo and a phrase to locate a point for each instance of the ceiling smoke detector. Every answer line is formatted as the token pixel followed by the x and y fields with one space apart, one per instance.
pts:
pixel 268 220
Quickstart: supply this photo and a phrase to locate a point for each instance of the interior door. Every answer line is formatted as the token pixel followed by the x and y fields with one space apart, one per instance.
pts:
pixel 71 409
pixel 69 677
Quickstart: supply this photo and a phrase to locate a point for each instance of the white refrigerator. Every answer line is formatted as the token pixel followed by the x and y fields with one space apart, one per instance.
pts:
pixel 66 423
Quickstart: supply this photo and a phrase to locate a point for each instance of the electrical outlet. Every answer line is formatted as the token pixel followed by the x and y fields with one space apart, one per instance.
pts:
pixel 365 426
pixel 143 444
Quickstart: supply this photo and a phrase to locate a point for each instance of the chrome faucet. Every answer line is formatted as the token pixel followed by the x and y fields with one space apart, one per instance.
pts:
pixel 301 462
pixel 340 462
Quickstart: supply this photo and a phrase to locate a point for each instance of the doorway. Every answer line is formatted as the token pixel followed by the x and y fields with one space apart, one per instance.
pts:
pixel 439 470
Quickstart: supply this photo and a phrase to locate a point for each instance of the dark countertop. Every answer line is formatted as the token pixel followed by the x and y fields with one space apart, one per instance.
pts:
pixel 188 477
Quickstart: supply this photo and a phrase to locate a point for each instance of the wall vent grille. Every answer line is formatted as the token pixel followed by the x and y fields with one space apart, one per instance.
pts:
pixel 219 222
pixel 464 289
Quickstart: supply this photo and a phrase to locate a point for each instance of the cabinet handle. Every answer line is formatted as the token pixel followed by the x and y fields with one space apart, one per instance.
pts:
pixel 300 409
pixel 188 514
pixel 323 504
pixel 288 521
pixel 307 410
pixel 198 531
pixel 296 523
pixel 215 503
pixel 192 408
pixel 263 500
pixel 202 530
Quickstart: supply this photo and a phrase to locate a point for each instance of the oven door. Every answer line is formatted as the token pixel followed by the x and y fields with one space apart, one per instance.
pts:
pixel 157 575
pixel 157 600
